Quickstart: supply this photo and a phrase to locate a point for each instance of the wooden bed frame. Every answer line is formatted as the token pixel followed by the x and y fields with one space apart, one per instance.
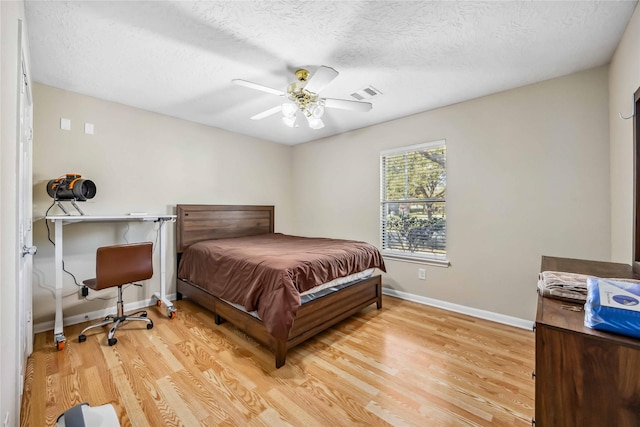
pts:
pixel 206 222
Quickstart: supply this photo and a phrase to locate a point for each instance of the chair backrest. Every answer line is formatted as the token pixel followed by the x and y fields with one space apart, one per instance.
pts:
pixel 122 264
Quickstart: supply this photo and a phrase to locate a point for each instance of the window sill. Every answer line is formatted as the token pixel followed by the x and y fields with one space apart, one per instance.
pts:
pixel 417 260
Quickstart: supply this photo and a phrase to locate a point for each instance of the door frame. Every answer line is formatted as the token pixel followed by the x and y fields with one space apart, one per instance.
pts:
pixel 24 185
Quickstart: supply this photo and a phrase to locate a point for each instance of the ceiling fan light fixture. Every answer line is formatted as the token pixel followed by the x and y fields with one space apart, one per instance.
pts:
pixel 289 121
pixel 315 123
pixel 289 109
pixel 317 111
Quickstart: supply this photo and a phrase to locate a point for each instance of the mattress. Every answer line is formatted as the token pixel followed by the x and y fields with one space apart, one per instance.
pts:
pixel 319 291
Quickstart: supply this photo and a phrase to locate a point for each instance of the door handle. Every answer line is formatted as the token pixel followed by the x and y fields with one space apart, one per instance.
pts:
pixel 29 250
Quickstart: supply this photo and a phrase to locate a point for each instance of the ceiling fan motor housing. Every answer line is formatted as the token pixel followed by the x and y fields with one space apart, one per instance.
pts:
pixel 301 97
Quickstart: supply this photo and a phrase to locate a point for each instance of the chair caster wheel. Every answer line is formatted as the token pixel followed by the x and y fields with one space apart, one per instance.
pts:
pixel 149 325
pixel 82 338
pixel 113 341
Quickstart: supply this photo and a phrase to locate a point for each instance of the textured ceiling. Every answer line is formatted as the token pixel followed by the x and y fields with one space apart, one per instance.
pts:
pixel 178 58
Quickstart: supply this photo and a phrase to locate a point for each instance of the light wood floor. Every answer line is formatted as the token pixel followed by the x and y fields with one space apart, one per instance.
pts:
pixel 404 365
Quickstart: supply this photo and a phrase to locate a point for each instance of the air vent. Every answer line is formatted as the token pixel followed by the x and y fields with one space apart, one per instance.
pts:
pixel 366 93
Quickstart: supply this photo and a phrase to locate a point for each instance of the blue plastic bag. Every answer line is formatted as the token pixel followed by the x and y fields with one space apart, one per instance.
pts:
pixel 613 306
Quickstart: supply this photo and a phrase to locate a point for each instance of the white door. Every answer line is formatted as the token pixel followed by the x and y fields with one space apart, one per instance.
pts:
pixel 25 241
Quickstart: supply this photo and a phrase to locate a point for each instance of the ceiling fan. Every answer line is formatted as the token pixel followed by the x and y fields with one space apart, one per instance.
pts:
pixel 304 95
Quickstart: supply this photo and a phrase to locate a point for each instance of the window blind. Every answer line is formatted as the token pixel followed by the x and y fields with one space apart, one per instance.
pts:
pixel 412 200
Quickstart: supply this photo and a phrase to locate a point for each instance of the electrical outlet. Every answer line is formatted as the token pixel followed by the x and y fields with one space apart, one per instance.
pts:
pixel 422 274
pixel 80 296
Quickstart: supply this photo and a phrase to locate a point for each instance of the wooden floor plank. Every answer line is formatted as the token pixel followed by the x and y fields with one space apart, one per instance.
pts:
pixel 404 365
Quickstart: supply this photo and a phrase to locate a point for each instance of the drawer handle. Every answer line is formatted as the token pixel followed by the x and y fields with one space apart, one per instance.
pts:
pixel 533 374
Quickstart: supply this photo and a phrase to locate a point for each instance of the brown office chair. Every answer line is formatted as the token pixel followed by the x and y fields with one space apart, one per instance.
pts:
pixel 120 265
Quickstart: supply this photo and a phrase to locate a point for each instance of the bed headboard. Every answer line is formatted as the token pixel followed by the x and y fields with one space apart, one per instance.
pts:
pixel 208 222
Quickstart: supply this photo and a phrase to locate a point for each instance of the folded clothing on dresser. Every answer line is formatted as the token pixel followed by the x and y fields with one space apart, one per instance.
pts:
pixel 566 286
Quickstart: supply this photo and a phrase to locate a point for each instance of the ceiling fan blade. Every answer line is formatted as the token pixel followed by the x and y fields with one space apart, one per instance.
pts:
pixel 257 86
pixel 267 113
pixel 320 79
pixel 345 104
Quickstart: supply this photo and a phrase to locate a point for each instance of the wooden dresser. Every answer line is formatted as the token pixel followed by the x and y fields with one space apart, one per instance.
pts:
pixel 584 377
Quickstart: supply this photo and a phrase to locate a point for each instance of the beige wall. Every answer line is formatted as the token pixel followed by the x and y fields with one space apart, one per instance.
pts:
pixel 140 162
pixel 10 13
pixel 528 174
pixel 624 80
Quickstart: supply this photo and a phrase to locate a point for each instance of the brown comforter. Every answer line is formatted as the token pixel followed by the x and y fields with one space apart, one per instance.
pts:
pixel 267 273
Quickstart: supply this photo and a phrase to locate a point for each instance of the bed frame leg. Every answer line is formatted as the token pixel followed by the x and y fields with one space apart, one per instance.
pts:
pixel 379 291
pixel 281 353
pixel 179 296
pixel 218 320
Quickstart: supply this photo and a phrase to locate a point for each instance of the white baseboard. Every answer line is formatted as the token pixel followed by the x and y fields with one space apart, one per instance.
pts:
pixel 474 312
pixel 98 314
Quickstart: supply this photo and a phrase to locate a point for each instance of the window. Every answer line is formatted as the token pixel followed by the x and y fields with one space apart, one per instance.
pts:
pixel 412 202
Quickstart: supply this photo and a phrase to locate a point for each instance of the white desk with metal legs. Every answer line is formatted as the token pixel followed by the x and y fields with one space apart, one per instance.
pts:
pixel 61 220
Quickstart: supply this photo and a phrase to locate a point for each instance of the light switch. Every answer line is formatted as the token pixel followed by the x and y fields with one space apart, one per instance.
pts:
pixel 65 124
pixel 88 128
